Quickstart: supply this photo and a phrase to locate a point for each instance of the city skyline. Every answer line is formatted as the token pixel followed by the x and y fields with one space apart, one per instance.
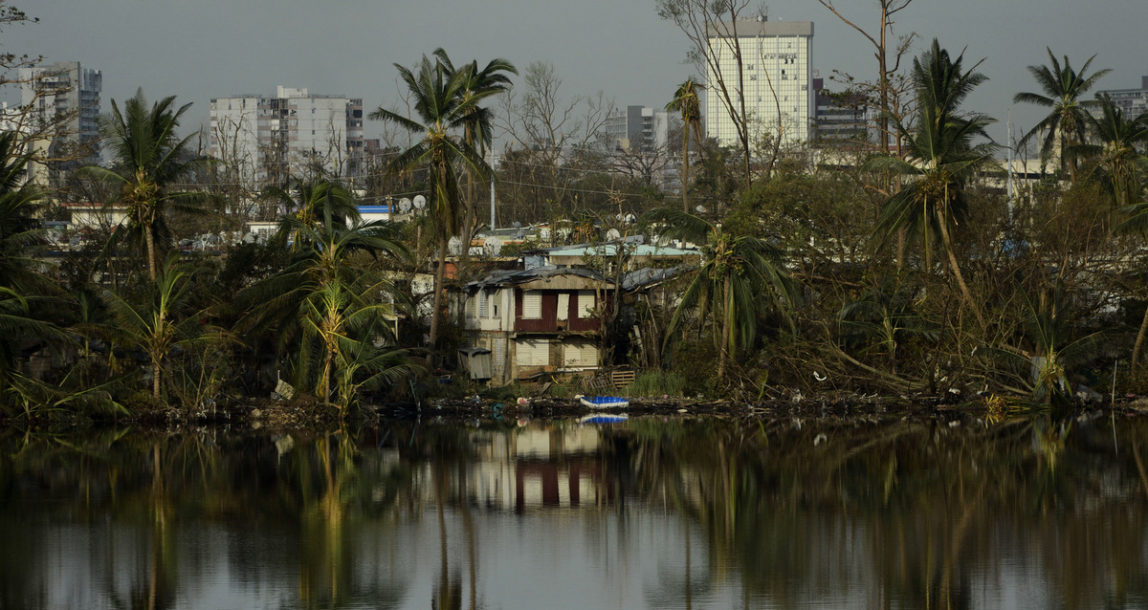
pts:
pixel 205 49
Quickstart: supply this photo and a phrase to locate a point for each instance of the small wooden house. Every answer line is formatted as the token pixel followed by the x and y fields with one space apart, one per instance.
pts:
pixel 536 321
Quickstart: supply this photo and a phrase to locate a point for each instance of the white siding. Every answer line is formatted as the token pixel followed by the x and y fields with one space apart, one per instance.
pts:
pixel 498 357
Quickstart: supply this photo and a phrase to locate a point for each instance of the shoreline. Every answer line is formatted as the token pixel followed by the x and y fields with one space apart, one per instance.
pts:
pixel 312 418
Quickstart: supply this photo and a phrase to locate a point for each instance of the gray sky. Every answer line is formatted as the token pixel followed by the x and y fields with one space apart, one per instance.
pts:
pixel 199 49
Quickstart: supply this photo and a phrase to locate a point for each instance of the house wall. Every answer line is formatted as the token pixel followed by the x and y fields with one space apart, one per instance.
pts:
pixel 549 343
pixel 575 318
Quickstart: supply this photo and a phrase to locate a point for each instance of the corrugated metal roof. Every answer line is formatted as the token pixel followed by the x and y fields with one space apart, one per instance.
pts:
pixel 641 278
pixel 611 250
pixel 510 277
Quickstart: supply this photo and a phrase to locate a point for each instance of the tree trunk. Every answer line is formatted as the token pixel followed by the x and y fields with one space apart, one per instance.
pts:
pixel 1139 339
pixel 155 380
pixel 727 322
pixel 948 243
pixel 325 382
pixel 439 280
pixel 685 166
pixel 151 261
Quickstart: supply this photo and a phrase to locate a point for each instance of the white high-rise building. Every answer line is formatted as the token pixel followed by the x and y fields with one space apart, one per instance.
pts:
pixel 637 128
pixel 294 134
pixel 777 66
pixel 1133 102
pixel 60 105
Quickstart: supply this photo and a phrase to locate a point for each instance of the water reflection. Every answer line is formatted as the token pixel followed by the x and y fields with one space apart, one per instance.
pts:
pixel 691 513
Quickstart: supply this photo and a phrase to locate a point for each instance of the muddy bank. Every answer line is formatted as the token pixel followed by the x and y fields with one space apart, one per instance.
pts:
pixel 310 417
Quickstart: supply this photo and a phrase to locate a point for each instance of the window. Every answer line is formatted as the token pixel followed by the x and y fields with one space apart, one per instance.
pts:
pixel 532 305
pixel 483 306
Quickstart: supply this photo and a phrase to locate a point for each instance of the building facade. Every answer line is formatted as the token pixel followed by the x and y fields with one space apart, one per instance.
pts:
pixel 1133 102
pixel 840 117
pixel 536 321
pixel 291 135
pixel 639 128
pixel 60 105
pixel 776 67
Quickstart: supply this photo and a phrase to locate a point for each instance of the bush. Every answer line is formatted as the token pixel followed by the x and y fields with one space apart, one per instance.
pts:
pixel 657 383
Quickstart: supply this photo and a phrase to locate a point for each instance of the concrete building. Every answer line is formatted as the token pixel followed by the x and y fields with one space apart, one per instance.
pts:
pixel 839 117
pixel 637 127
pixel 61 102
pixel 1133 102
pixel 291 135
pixel 777 63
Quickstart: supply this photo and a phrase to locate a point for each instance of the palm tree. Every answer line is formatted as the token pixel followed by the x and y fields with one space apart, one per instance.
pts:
pixel 478 125
pixel 324 306
pixel 740 275
pixel 22 289
pixel 158 326
pixel 1115 149
pixel 1119 158
pixel 1061 90
pixel 442 112
pixel 941 154
pixel 307 202
pixel 688 102
pixel 19 228
pixel 148 160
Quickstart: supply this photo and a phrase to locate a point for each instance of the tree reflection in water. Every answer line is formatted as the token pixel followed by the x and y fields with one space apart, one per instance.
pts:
pixel 681 513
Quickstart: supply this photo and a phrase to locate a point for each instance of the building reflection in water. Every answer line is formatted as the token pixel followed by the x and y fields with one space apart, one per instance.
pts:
pixel 650 514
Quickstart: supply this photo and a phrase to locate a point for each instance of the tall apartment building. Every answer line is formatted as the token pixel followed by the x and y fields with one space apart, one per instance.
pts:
pixel 1133 102
pixel 61 102
pixel 777 62
pixel 637 127
pixel 291 135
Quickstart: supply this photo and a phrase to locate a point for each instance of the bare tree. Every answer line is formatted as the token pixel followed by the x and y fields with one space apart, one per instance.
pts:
pixel 711 26
pixel 646 164
pixel 234 171
pixel 553 136
pixel 885 51
pixel 46 133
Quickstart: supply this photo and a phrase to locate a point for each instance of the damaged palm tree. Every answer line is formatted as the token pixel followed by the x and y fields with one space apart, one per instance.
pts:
pixel 740 276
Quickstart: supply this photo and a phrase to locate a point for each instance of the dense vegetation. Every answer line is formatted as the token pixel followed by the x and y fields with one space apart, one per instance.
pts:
pixel 837 267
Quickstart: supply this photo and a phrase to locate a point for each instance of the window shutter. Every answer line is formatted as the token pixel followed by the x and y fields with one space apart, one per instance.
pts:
pixel 585 304
pixel 532 305
pixel 533 352
pixel 563 306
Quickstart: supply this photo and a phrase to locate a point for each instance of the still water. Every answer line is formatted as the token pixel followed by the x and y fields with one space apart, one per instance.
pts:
pixel 652 513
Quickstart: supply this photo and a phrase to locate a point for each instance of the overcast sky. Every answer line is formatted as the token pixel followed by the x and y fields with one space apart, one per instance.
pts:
pixel 200 49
